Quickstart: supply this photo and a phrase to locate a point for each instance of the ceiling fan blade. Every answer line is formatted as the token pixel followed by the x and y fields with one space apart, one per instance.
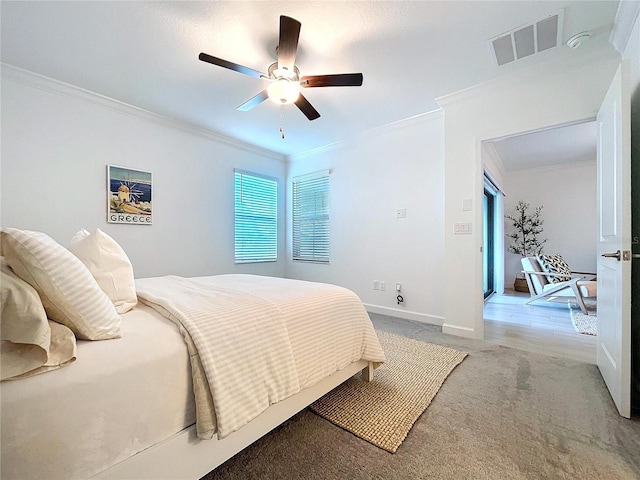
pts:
pixel 252 102
pixel 288 42
pixel 306 108
pixel 337 80
pixel 230 65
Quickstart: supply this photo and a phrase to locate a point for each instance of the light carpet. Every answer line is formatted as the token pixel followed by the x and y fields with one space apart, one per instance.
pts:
pixel 383 411
pixel 503 414
pixel 585 324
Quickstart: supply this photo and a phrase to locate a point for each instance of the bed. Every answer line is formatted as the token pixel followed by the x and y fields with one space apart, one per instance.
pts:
pixel 129 407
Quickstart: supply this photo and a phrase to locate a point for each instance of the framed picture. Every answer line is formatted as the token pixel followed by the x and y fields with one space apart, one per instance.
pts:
pixel 128 196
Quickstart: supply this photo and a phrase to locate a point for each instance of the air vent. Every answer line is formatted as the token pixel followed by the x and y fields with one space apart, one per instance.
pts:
pixel 528 39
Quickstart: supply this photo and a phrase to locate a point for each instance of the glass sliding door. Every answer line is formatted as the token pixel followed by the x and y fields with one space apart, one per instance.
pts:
pixel 488 243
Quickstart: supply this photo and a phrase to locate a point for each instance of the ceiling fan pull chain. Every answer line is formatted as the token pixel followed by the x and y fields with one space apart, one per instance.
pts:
pixel 282 121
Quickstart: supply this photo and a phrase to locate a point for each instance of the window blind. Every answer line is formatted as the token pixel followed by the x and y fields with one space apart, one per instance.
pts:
pixel 310 229
pixel 256 218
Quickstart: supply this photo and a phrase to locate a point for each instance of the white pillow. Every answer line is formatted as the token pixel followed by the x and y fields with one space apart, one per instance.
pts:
pixel 31 344
pixel 24 330
pixel 69 293
pixel 109 265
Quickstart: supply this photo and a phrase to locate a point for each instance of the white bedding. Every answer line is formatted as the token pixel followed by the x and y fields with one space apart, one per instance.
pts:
pixel 124 395
pixel 120 397
pixel 260 339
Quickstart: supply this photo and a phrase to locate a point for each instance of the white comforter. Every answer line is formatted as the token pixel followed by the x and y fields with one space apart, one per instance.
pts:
pixel 257 340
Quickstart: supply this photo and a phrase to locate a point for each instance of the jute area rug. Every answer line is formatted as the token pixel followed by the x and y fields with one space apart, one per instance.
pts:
pixel 585 324
pixel 383 411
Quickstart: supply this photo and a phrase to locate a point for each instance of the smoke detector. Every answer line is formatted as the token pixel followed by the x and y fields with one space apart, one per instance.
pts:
pixel 575 41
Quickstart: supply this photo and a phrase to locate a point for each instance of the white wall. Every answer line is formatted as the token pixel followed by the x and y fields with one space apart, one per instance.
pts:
pixel 511 105
pixel 56 143
pixel 495 171
pixel 55 146
pixel 396 167
pixel 568 195
pixel 493 165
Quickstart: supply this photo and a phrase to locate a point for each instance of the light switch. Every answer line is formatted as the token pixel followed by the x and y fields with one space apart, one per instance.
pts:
pixel 401 213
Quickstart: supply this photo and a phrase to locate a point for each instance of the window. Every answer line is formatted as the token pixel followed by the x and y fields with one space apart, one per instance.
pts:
pixel 256 218
pixel 311 218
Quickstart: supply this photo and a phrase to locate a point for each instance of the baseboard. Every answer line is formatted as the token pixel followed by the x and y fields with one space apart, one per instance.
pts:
pixel 466 332
pixel 406 314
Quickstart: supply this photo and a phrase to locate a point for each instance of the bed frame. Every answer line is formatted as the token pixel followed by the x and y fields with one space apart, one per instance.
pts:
pixel 184 456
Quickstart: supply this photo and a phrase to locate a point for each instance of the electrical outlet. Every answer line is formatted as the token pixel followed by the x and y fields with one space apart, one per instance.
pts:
pixel 461 228
pixel 376 285
pixel 382 286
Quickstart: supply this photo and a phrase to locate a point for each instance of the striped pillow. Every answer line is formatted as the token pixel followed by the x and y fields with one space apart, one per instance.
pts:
pixel 68 291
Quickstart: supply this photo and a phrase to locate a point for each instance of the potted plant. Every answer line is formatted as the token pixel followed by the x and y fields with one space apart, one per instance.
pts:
pixel 525 237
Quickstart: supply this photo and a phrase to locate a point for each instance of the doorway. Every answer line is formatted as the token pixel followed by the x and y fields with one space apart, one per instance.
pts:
pixel 554 168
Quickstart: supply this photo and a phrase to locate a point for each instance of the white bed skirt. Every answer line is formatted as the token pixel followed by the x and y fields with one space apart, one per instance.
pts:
pixel 184 456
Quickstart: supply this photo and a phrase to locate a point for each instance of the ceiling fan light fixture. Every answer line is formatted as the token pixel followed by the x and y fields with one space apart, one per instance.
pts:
pixel 283 91
pixel 284 77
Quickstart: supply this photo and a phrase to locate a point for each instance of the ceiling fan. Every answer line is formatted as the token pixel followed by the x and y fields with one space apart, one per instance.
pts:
pixel 284 77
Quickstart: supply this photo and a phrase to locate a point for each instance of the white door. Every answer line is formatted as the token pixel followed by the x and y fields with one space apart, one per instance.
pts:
pixel 614 242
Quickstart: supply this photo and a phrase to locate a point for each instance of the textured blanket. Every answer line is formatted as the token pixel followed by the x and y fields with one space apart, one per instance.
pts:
pixel 255 341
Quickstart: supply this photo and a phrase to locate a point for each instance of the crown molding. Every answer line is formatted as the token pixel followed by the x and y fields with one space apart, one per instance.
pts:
pixel 528 75
pixel 373 132
pixel 626 16
pixel 552 168
pixel 35 80
pixel 315 151
pixel 495 157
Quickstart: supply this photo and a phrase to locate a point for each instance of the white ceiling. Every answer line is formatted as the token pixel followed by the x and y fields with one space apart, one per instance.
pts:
pixel 146 54
pixel 556 146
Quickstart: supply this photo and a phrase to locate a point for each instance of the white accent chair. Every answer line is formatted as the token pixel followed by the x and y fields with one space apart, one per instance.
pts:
pixel 580 285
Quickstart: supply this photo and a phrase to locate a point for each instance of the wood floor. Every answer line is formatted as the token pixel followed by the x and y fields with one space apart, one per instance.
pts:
pixel 542 327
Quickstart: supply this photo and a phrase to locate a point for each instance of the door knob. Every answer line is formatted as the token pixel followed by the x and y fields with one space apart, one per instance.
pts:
pixel 615 255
